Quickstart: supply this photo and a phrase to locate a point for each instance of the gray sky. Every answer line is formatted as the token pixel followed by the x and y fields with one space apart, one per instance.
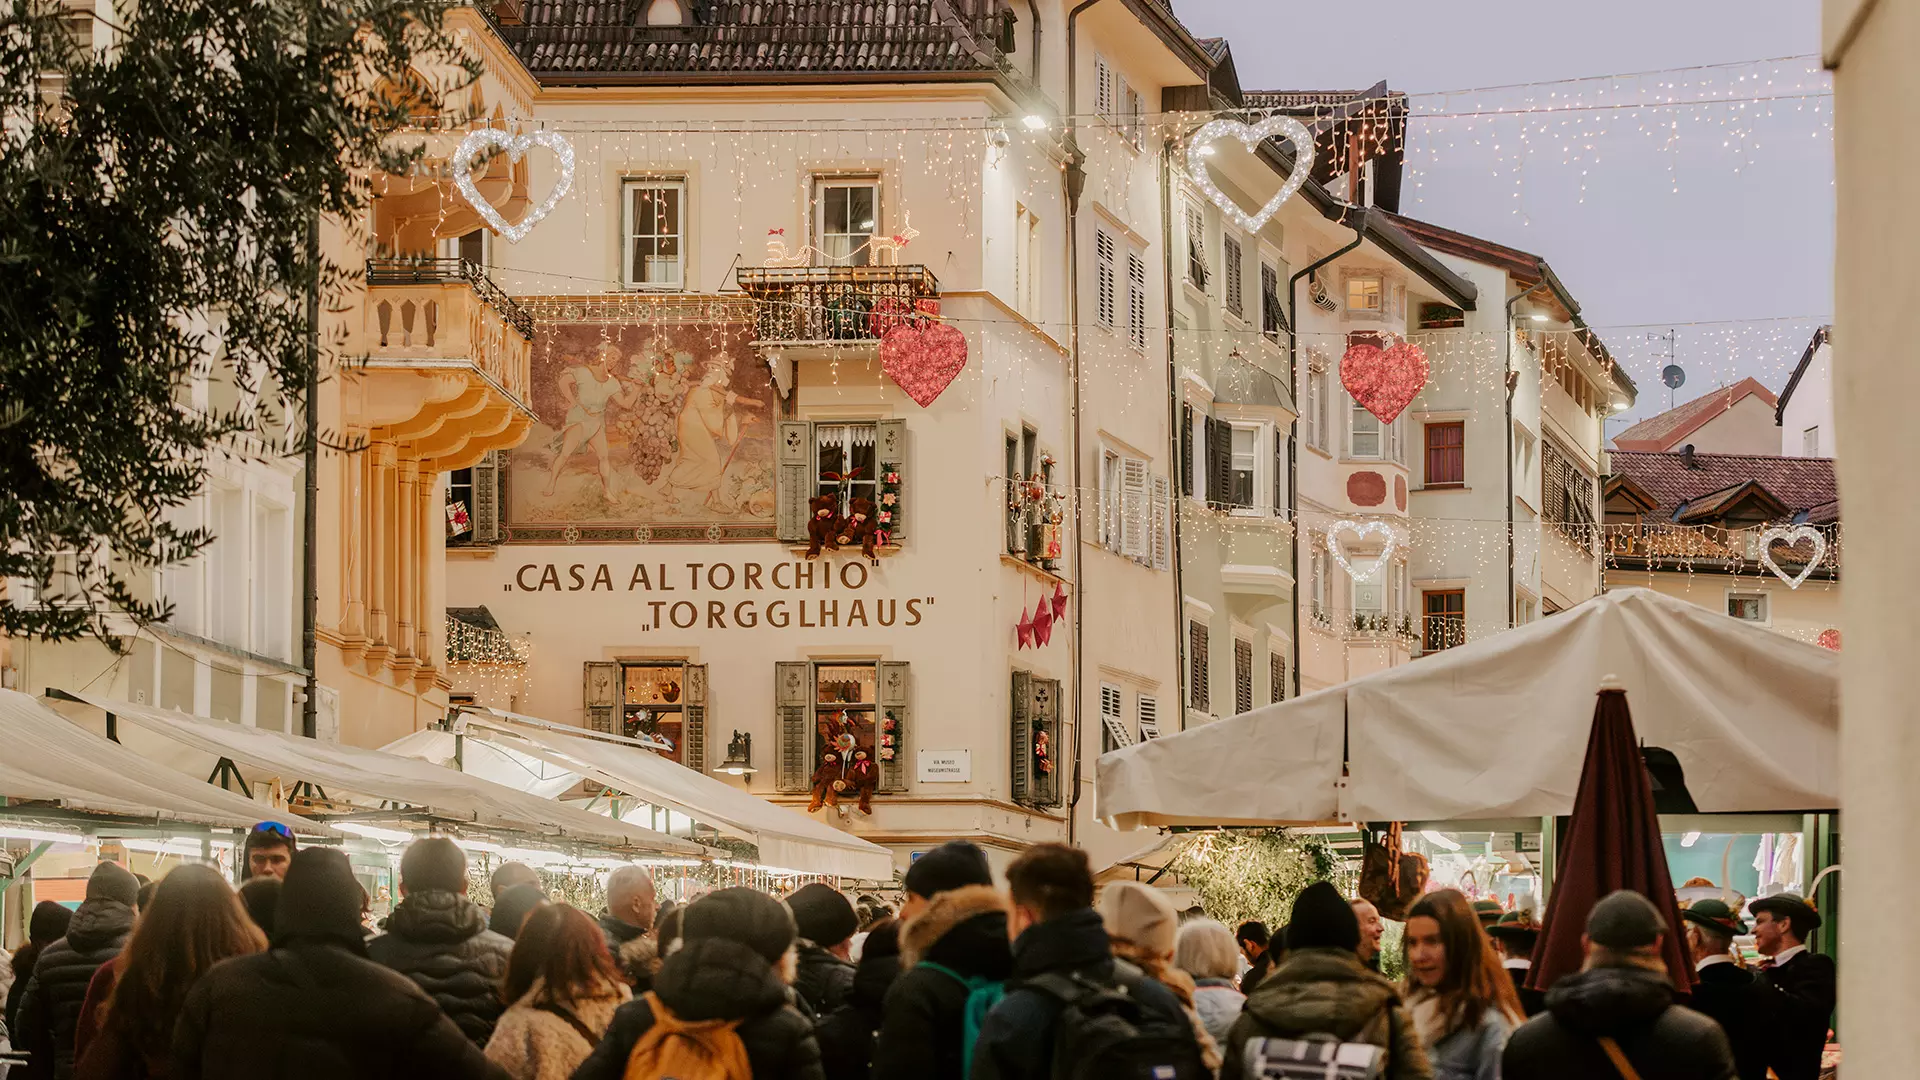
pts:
pixel 1730 245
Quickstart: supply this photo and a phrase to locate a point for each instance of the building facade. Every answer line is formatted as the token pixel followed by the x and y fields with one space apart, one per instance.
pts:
pixel 1804 413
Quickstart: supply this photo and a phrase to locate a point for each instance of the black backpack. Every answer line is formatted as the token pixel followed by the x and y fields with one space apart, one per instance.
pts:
pixel 1105 1032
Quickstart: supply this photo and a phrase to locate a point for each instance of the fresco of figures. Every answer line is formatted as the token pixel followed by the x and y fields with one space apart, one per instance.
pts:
pixel 646 424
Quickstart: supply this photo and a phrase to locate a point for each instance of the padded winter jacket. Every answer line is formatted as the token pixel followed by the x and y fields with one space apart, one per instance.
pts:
pixel 846 1035
pixel 822 980
pixel 923 1019
pixel 716 979
pixel 50 1013
pixel 1635 1008
pixel 440 940
pixel 1328 992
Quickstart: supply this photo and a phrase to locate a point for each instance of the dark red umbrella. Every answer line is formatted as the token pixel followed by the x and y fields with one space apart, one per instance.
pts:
pixel 1612 843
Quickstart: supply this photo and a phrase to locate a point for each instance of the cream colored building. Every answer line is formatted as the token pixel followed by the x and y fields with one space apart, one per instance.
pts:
pixel 707 304
pixel 1804 413
pixel 1737 419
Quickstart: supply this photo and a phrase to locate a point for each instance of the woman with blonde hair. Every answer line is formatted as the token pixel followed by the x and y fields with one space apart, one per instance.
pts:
pixel 561 990
pixel 196 920
pixel 1140 923
pixel 1206 951
pixel 1462 999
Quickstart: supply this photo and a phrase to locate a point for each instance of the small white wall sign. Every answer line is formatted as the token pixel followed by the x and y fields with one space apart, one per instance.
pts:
pixel 946 766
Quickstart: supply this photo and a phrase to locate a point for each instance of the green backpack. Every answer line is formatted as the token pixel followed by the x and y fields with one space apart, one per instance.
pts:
pixel 982 995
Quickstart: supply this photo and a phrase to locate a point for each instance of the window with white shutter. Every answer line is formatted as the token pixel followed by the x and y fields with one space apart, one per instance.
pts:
pixel 1131 122
pixel 1104 283
pixel 1113 733
pixel 1103 88
pixel 1134 509
pixel 1162 525
pixel 1148 714
pixel 1137 299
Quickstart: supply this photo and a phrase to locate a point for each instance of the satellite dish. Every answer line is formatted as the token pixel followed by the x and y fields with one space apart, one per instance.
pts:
pixel 1674 376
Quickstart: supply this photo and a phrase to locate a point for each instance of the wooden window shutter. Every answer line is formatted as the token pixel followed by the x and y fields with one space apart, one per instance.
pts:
pixel 693 716
pixel 1161 528
pixel 1046 718
pixel 1219 461
pixel 1242 675
pixel 1186 450
pixel 794 483
pixel 793 726
pixel 895 701
pixel 890 451
pixel 486 499
pixel 1276 677
pixel 1197 693
pixel 601 696
pixel 1021 774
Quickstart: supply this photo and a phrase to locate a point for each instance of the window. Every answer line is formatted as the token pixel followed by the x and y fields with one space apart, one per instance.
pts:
pixel 272 562
pixel 1235 272
pixel 1270 310
pixel 1444 622
pixel 652 703
pixel 1132 124
pixel 1245 465
pixel 1147 712
pixel 847 218
pixel 1446 454
pixel 1566 493
pixel 1134 511
pixel 845 465
pixel 656 234
pixel 1369 605
pixel 1525 610
pixel 474 247
pixel 1316 414
pixel 1103 80
pixel 1039 752
pixel 1242 675
pixel 1103 277
pixel 1110 501
pixel 1016 534
pixel 1276 678
pixel 1810 442
pixel 856 710
pixel 1197 697
pixel 1364 294
pixel 1026 272
pixel 1317 586
pixel 1365 433
pixel 1113 725
pixel 1396 439
pixel 1196 246
pixel 1398 597
pixel 459 506
pixel 1523 465
pixel 1751 607
pixel 1137 299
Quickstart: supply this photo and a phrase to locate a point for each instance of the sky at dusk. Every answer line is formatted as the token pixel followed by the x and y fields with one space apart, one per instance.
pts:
pixel 1747 235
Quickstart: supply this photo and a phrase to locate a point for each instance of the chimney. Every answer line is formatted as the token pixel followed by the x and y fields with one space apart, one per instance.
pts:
pixel 1686 457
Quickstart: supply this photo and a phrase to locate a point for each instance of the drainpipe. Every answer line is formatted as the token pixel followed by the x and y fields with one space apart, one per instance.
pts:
pixel 1076 182
pixel 1033 10
pixel 1359 228
pixel 1176 434
pixel 1513 382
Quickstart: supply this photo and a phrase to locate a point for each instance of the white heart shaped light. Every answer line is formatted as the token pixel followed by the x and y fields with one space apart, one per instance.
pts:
pixel 1390 541
pixel 1200 146
pixel 516 146
pixel 1791 536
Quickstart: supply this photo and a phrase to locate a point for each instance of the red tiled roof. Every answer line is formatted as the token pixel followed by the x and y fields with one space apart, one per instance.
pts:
pixel 1671 428
pixel 1802 484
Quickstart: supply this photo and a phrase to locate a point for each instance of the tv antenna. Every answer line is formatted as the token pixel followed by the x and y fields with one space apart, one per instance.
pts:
pixel 1673 376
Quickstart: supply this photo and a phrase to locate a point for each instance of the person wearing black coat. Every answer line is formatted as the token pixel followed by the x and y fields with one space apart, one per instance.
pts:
pixel 313 1005
pixel 1723 989
pixel 923 1019
pixel 46 925
pixel 826 923
pixel 846 1035
pixel 734 944
pixel 1623 994
pixel 439 938
pixel 1799 986
pixel 50 1009
pixel 1060 933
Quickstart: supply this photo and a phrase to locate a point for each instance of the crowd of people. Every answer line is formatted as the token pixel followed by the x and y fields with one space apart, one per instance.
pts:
pixel 1041 980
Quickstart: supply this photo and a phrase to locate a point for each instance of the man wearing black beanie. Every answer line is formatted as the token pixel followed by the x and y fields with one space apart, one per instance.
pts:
pixel 826 923
pixel 953 933
pixel 313 1005
pixel 1323 989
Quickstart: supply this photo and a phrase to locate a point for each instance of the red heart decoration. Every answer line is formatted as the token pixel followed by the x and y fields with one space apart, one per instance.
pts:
pixel 1384 381
pixel 923 359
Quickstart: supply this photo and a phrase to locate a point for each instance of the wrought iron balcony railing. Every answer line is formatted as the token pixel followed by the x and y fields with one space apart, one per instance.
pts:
pixel 833 305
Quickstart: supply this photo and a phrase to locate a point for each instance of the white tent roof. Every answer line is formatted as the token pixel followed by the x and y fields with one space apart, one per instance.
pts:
pixel 1498 728
pixel 440 792
pixel 45 757
pixel 786 838
pixel 483 759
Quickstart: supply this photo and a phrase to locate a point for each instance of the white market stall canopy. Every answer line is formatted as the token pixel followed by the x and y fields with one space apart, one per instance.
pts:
pixel 477 757
pixel 44 757
pixel 1498 728
pixel 786 838
pixel 438 792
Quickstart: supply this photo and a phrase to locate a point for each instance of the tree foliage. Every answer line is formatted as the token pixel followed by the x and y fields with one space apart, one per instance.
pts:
pixel 157 182
pixel 1242 874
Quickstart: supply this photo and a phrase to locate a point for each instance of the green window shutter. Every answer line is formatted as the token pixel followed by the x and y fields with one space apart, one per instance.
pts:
pixel 890 453
pixel 1022 771
pixel 486 499
pixel 793 483
pixel 601 695
pixel 693 716
pixel 793 730
pixel 895 694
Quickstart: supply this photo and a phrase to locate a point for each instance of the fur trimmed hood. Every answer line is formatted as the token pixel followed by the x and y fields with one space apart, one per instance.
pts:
pixel 946 912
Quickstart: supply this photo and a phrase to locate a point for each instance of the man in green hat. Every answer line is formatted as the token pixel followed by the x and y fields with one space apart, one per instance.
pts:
pixel 1489 912
pixel 1514 937
pixel 1724 990
pixel 1802 986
